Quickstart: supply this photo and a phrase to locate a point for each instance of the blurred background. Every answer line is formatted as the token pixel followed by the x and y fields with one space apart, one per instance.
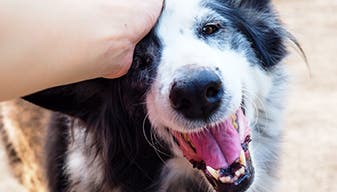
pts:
pixel 309 156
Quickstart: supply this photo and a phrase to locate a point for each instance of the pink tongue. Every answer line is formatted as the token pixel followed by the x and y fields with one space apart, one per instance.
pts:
pixel 218 146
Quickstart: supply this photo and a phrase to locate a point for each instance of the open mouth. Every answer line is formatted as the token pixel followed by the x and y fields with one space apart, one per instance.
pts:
pixel 221 152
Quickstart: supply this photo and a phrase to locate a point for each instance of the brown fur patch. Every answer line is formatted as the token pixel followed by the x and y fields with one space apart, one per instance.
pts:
pixel 22 129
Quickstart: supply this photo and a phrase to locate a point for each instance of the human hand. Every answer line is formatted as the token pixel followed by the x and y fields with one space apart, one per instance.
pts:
pixel 46 43
pixel 105 32
pixel 125 24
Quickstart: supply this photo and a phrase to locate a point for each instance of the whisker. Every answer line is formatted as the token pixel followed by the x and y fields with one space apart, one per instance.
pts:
pixel 152 144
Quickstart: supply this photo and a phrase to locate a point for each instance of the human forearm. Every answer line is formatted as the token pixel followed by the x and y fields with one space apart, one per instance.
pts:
pixel 49 43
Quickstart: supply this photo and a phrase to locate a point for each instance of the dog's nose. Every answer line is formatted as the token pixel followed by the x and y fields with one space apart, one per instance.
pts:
pixel 198 95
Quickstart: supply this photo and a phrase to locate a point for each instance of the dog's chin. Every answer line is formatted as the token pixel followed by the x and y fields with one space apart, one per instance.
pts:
pixel 221 151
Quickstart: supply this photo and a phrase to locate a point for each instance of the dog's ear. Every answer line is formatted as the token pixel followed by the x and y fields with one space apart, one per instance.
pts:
pixel 262 28
pixel 74 99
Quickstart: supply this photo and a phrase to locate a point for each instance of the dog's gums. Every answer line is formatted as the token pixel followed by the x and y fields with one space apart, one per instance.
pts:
pixel 221 152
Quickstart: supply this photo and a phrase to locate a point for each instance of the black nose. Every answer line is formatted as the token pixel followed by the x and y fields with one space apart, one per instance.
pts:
pixel 198 95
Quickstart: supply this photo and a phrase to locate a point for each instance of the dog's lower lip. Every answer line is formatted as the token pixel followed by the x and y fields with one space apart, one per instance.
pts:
pixel 235 173
pixel 237 178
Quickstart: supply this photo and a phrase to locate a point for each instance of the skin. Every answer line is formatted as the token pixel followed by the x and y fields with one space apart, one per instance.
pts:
pixel 46 43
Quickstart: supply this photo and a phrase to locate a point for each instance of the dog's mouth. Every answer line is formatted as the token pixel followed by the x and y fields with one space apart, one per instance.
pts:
pixel 221 152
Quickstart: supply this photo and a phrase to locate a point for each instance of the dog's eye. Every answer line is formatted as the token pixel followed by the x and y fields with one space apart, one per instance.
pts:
pixel 210 28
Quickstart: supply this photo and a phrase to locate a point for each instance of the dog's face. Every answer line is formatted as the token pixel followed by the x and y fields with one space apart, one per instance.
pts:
pixel 200 77
pixel 210 79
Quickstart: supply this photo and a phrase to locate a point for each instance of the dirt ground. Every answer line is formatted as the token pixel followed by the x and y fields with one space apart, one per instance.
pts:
pixel 309 157
pixel 310 141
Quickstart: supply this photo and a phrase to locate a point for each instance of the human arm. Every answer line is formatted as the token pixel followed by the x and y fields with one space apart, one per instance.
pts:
pixel 46 43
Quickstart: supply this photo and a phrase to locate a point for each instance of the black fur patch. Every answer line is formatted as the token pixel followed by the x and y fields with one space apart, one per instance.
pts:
pixel 56 153
pixel 262 29
pixel 113 111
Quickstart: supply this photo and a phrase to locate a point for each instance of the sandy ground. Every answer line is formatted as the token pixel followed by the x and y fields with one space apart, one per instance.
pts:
pixel 310 141
pixel 309 158
pixel 8 183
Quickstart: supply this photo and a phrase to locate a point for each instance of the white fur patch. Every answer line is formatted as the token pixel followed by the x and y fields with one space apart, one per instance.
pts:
pixel 84 168
pixel 177 171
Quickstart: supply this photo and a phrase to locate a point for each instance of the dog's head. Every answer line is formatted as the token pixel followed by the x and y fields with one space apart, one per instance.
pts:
pixel 216 63
pixel 199 77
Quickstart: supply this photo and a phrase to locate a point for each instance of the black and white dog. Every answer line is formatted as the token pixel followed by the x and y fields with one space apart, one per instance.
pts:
pixel 199 110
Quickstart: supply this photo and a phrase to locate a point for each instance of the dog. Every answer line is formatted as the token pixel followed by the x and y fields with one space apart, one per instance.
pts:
pixel 200 109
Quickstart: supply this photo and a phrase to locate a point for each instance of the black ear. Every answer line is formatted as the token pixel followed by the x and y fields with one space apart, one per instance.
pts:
pixel 75 99
pixel 257 20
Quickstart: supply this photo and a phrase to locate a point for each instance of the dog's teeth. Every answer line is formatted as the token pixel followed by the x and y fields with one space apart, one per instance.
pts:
pixel 234 118
pixel 185 137
pixel 234 179
pixel 243 158
pixel 213 172
pixel 226 179
pixel 188 141
pixel 240 172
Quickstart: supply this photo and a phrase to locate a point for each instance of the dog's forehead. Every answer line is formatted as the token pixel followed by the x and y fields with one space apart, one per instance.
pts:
pixel 180 15
pixel 178 5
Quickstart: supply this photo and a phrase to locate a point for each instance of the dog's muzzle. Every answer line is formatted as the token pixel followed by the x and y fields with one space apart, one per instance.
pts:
pixel 220 150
